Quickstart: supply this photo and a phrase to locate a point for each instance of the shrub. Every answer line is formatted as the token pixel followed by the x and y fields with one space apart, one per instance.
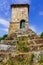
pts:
pixel 40 58
pixel 41 35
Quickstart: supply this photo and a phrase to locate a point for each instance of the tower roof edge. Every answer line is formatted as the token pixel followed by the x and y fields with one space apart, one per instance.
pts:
pixel 19 5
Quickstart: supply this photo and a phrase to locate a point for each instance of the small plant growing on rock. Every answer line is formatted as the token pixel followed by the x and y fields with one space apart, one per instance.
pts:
pixel 40 58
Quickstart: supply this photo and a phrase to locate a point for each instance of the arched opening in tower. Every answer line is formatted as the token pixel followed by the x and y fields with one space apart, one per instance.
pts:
pixel 22 24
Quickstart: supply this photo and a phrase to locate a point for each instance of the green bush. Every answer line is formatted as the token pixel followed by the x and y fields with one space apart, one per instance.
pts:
pixel 40 58
pixel 22 44
pixel 20 60
pixel 41 35
pixel 2 38
pixel 22 47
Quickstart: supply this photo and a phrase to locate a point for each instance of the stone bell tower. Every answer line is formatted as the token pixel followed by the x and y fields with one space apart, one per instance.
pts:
pixel 19 17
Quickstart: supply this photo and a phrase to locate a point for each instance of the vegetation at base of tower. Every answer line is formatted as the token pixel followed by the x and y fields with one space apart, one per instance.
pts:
pixel 22 44
pixel 41 35
pixel 24 59
pixel 4 36
pixel 40 58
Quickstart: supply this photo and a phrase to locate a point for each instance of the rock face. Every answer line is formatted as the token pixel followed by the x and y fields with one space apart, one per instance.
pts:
pixel 23 38
pixel 33 41
pixel 23 46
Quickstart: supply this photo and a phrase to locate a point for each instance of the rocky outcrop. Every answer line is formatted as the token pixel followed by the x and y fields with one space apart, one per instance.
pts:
pixel 33 41
pixel 21 45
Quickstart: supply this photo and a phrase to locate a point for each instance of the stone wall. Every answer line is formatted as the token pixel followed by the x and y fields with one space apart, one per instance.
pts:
pixel 18 13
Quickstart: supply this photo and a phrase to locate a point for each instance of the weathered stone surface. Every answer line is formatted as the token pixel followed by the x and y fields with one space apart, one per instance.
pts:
pixel 18 13
pixel 7 48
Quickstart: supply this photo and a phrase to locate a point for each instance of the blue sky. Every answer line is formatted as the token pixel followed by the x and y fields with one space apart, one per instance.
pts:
pixel 35 14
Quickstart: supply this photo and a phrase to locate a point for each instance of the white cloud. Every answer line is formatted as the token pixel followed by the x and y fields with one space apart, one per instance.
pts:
pixel 4 22
pixel 33 28
pixel 4 29
pixel 41 13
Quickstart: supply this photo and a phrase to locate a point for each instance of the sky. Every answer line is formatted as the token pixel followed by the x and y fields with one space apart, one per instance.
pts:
pixel 35 15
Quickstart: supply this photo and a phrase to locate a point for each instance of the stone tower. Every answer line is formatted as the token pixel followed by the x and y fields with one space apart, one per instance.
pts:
pixel 19 17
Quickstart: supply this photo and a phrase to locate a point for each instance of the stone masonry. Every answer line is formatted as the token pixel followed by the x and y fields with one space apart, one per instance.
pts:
pixel 19 12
